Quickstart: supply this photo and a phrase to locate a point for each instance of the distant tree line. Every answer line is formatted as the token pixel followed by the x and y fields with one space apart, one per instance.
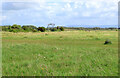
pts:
pixel 94 28
pixel 28 28
pixel 32 28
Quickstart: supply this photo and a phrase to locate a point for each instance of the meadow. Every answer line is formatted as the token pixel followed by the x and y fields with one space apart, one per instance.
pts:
pixel 65 53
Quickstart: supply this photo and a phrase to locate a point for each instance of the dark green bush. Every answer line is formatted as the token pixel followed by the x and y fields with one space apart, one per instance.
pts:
pixel 42 29
pixel 28 28
pixel 34 30
pixel 108 42
pixel 15 26
pixel 96 28
pixel 111 28
pixel 14 30
pixel 54 29
pixel 58 27
pixel 6 27
pixel 61 28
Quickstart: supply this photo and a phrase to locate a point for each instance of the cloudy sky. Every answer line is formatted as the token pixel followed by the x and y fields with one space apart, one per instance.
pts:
pixel 60 12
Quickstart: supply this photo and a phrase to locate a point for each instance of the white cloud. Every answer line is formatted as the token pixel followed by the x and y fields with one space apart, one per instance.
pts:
pixel 69 9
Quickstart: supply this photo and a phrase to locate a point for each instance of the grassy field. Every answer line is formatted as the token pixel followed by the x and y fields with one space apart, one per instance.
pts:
pixel 67 53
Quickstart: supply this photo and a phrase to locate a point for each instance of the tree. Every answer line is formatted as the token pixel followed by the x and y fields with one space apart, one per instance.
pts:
pixel 96 28
pixel 58 27
pixel 6 27
pixel 15 26
pixel 29 28
pixel 54 29
pixel 61 28
pixel 42 29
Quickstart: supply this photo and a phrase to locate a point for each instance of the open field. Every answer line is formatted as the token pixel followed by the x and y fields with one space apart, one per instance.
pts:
pixel 67 53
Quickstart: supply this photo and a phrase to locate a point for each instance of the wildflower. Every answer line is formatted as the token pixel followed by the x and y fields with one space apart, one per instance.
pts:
pixel 42 68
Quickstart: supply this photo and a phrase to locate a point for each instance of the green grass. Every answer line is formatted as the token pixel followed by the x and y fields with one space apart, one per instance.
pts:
pixel 67 53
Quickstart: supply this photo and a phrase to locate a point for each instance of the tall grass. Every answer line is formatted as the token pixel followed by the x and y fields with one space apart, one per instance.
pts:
pixel 67 53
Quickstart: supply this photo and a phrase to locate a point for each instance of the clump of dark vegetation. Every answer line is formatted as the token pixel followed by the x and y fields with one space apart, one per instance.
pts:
pixel 107 42
pixel 58 28
pixel 61 28
pixel 15 28
pixel 34 30
pixel 29 28
pixel 53 29
pixel 42 29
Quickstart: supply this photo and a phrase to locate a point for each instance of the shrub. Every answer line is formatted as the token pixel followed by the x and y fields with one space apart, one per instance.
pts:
pixel 81 28
pixel 15 26
pixel 34 30
pixel 14 30
pixel 61 28
pixel 58 27
pixel 58 30
pixel 96 28
pixel 111 28
pixel 29 28
pixel 108 42
pixel 42 29
pixel 54 29
pixel 6 27
pixel 26 28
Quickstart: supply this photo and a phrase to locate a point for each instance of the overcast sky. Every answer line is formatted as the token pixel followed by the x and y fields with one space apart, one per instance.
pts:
pixel 61 12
